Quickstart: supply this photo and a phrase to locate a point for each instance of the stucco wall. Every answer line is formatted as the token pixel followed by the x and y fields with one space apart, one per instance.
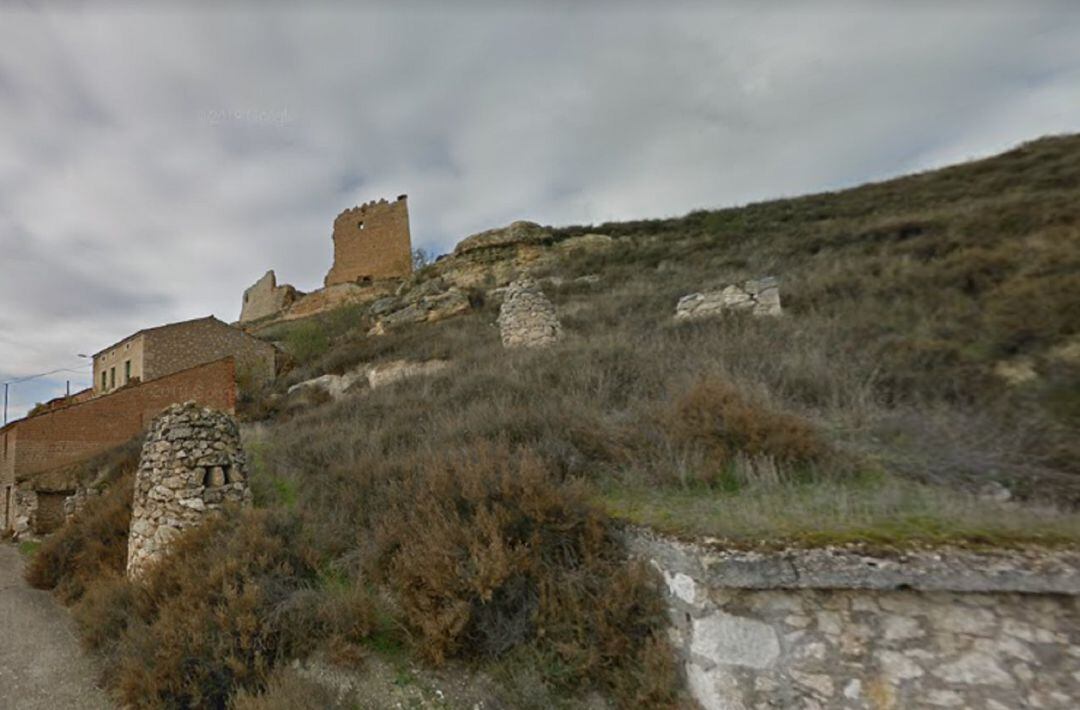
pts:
pixel 372 241
pixel 114 358
pixel 836 629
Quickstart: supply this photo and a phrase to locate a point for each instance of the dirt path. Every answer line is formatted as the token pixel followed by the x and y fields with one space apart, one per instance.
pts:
pixel 41 665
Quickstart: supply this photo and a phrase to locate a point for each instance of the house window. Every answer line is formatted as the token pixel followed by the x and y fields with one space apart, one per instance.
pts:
pixel 104 380
pixel 127 371
pixel 112 377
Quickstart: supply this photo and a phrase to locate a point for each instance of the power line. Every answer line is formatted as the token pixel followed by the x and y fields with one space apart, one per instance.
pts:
pixel 27 378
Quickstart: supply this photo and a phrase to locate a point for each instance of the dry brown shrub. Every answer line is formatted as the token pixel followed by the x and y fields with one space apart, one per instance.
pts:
pixel 92 545
pixel 720 418
pixel 485 550
pixel 288 690
pixel 216 614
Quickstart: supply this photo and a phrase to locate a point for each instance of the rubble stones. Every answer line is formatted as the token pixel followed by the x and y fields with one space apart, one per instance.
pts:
pixel 192 465
pixel 760 297
pixel 526 317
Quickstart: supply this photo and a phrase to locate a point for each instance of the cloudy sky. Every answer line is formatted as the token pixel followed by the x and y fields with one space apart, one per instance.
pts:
pixel 153 163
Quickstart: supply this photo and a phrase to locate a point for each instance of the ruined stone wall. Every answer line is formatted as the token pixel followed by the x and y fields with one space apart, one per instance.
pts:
pixel 834 629
pixel 192 465
pixel 372 242
pixel 184 345
pixel 66 436
pixel 265 298
pixel 758 296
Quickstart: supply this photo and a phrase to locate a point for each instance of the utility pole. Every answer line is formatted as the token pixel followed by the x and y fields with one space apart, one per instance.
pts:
pixel 32 377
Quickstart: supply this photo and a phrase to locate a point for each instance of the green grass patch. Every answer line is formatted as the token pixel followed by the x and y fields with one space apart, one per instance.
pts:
pixel 876 510
pixel 27 548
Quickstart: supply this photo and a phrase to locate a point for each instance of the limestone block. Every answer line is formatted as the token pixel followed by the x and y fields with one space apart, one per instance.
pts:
pixel 398 370
pixel 760 297
pixel 723 639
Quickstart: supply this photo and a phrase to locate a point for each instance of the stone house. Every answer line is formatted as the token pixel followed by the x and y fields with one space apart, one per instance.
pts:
pixel 156 352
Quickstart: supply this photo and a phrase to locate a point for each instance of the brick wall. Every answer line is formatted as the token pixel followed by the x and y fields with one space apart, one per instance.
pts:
pixel 372 241
pixel 184 345
pixel 70 435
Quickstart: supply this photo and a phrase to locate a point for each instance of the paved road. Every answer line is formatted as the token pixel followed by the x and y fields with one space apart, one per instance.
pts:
pixel 41 665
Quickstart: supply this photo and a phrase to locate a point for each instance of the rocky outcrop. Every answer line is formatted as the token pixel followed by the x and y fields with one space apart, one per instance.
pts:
pixel 586 243
pixel 527 318
pixel 192 465
pixel 843 628
pixel 517 233
pixel 760 297
pixel 388 373
pixel 428 302
pixel 379 375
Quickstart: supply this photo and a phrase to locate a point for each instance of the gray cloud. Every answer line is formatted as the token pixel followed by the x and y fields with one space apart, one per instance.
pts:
pixel 154 163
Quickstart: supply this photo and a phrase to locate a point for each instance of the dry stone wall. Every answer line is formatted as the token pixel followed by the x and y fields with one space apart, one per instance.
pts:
pixel 759 296
pixel 192 465
pixel 527 318
pixel 837 629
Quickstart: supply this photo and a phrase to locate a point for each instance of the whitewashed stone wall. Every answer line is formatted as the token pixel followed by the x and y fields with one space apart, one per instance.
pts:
pixel 527 318
pixel 838 629
pixel 759 296
pixel 192 465
pixel 26 505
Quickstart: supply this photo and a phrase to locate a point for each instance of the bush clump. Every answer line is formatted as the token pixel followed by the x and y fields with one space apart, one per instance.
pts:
pixel 227 603
pixel 726 422
pixel 486 551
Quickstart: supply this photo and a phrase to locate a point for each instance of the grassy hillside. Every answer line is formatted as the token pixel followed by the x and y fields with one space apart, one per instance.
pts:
pixel 472 517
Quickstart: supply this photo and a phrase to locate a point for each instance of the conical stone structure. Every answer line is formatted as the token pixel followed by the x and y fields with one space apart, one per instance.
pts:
pixel 192 465
pixel 527 318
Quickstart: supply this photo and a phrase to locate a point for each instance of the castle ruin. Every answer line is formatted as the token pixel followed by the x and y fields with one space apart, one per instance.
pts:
pixel 371 242
pixel 265 298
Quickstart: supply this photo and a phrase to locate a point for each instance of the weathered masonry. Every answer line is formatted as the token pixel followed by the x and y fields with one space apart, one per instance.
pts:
pixel 35 446
pixel 372 242
pixel 192 465
pixel 157 352
pixel 265 298
pixel 834 628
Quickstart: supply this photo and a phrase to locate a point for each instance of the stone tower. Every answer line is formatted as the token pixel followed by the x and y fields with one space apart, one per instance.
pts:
pixel 372 242
pixel 192 464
